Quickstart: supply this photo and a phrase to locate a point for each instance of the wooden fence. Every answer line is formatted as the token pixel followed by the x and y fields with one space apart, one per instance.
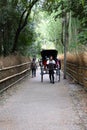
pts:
pixel 10 75
pixel 77 73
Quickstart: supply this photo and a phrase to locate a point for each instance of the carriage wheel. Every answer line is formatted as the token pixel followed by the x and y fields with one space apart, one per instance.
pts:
pixel 41 77
pixel 41 74
pixel 58 75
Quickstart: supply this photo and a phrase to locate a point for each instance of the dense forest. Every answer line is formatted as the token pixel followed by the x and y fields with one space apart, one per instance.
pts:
pixel 27 26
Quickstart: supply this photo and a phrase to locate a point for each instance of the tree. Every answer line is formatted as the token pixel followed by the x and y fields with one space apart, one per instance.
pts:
pixel 23 21
pixel 17 14
pixel 8 22
pixel 48 30
pixel 14 17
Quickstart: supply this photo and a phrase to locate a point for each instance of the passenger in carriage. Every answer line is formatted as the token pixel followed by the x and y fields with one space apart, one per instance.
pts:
pixel 45 63
pixel 51 65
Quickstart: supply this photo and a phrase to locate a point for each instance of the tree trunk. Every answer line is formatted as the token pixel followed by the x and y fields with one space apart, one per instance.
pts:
pixel 65 49
pixel 66 40
pixel 22 23
pixel 14 49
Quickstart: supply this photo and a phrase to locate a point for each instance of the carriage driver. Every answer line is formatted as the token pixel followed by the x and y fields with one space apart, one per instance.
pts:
pixel 51 65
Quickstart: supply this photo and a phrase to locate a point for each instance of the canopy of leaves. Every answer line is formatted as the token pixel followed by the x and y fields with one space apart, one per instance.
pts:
pixel 78 10
pixel 48 30
pixel 14 16
pixel 41 27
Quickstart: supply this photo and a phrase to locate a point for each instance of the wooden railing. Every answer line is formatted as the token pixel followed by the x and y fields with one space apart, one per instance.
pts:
pixel 78 73
pixel 11 75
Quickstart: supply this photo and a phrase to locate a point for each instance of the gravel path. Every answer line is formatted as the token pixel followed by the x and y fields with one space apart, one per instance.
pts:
pixel 32 105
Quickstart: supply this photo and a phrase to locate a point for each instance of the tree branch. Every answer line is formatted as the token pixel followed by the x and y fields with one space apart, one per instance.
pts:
pixel 23 22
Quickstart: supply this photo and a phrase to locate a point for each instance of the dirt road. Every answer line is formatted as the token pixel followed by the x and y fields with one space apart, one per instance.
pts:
pixel 32 105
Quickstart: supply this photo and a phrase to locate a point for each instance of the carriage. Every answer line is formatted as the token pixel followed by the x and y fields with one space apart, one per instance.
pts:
pixel 45 55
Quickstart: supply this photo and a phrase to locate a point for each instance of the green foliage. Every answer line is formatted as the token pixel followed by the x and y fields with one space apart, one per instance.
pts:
pixel 26 39
pixel 78 10
pixel 34 49
pixel 48 30
pixel 11 12
pixel 44 27
pixel 8 24
pixel 83 37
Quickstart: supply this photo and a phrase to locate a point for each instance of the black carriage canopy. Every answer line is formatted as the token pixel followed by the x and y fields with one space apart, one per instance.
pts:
pixel 47 53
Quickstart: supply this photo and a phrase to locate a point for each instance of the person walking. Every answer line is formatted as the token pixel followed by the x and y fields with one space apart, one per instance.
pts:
pixel 58 67
pixel 33 67
pixel 51 65
pixel 58 63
